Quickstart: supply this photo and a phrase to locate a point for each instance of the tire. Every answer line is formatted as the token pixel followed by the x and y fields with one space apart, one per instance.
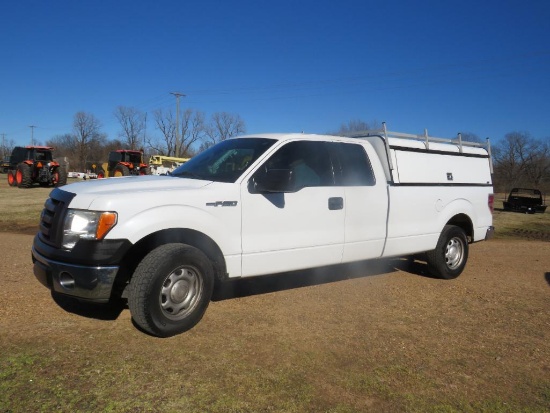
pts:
pixel 59 177
pixel 100 174
pixel 171 289
pixel 449 257
pixel 121 170
pixel 11 178
pixel 23 175
pixel 145 171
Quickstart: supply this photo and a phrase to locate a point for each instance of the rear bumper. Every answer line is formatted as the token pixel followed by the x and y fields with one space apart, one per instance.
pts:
pixel 490 233
pixel 84 282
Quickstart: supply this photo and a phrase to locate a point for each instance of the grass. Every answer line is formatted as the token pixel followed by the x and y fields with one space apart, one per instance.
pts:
pixel 517 225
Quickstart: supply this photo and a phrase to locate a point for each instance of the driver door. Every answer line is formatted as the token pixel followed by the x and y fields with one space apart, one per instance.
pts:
pixel 300 226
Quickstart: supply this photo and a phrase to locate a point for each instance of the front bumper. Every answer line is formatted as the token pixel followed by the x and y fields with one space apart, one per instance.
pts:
pixel 93 283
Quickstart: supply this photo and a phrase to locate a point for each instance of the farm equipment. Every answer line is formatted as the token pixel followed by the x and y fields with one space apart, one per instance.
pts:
pixel 525 200
pixel 35 164
pixel 5 165
pixel 124 162
pixel 162 165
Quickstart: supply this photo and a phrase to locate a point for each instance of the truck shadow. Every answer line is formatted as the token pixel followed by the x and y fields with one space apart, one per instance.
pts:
pixel 547 277
pixel 108 312
pixel 263 284
pixel 297 279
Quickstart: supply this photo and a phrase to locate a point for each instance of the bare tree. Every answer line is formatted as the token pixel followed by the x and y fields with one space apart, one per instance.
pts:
pixel 132 122
pixel 193 130
pixel 222 126
pixel 356 125
pixel 471 137
pixel 65 145
pixel 86 136
pixel 7 147
pixel 521 160
pixel 166 124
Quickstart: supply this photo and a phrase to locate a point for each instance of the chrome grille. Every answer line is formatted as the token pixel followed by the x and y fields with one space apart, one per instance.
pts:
pixel 51 219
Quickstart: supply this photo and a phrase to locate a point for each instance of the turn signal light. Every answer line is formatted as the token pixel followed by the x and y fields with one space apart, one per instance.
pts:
pixel 107 220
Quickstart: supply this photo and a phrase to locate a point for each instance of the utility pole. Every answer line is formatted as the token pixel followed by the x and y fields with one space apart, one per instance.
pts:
pixel 3 146
pixel 177 95
pixel 144 131
pixel 32 134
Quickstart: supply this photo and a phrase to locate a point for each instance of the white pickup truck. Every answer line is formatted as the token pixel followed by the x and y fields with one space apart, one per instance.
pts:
pixel 262 204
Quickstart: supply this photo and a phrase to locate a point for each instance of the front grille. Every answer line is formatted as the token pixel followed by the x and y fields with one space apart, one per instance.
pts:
pixel 53 214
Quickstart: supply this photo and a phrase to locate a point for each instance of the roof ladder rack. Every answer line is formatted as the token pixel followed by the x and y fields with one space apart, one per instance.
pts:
pixel 424 138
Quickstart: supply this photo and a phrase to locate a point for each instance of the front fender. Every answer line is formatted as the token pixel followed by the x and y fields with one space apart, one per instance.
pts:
pixel 220 224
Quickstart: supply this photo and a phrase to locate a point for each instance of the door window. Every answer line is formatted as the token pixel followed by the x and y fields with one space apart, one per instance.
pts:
pixel 308 162
pixel 355 167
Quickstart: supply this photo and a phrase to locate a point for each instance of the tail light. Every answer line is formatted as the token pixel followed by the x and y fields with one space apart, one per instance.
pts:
pixel 491 202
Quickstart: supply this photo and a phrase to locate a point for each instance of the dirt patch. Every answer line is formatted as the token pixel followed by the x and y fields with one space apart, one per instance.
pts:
pixel 374 336
pixel 532 234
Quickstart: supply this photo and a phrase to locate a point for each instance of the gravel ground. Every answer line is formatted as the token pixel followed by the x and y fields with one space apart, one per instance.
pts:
pixel 482 337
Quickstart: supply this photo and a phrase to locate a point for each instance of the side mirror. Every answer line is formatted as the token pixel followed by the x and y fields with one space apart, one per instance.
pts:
pixel 270 181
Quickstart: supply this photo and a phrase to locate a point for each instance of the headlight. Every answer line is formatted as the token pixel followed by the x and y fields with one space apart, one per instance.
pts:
pixel 92 225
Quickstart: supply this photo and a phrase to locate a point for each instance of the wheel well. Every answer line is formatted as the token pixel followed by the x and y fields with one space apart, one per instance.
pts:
pixel 175 235
pixel 463 221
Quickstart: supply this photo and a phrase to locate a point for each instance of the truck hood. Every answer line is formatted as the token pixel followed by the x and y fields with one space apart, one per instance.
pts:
pixel 111 188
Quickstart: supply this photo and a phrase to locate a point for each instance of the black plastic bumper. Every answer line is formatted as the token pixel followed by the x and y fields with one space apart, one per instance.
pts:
pixel 87 272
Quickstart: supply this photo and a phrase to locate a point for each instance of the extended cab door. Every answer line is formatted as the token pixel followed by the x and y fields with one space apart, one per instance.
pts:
pixel 358 170
pixel 297 220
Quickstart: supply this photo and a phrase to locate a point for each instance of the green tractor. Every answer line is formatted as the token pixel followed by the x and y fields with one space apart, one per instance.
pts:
pixel 35 164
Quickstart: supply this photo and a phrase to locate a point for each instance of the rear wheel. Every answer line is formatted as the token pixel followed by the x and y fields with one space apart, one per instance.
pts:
pixel 171 289
pixel 449 257
pixel 59 177
pixel 121 170
pixel 11 178
pixel 23 175
pixel 100 174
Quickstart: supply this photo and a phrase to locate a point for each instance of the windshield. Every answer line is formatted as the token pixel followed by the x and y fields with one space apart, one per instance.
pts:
pixel 224 162
pixel 42 155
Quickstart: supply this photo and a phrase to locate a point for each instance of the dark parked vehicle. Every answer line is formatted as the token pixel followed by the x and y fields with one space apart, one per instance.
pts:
pixel 527 200
pixel 5 165
pixel 35 164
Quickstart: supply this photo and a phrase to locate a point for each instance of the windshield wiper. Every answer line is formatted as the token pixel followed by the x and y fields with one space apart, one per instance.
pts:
pixel 188 174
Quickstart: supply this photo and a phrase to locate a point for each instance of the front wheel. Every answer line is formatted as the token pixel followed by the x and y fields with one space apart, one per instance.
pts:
pixel 121 170
pixel 449 257
pixel 171 289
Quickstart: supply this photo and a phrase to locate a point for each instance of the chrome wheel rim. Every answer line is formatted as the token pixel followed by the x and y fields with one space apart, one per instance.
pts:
pixel 454 253
pixel 180 292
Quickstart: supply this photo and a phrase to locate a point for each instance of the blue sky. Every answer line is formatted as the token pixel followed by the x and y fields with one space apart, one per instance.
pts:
pixel 283 66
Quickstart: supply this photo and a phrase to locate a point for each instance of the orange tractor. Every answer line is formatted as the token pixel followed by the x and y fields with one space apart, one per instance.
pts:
pixel 35 164
pixel 124 162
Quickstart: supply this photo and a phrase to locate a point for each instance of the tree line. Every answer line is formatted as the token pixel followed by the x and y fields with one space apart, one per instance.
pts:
pixel 519 159
pixel 180 135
